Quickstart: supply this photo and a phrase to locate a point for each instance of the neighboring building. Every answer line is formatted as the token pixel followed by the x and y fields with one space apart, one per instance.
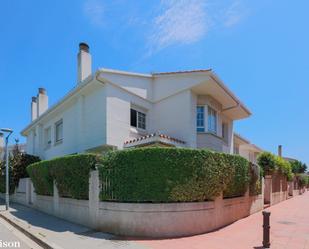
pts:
pixel 244 148
pixel 110 108
pixel 22 147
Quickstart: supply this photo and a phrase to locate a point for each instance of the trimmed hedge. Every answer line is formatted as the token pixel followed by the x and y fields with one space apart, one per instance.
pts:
pixel 71 174
pixel 41 178
pixel 241 178
pixel 170 175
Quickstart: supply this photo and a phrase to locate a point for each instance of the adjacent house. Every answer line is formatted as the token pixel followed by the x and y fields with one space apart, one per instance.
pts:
pixel 118 109
pixel 246 149
pixel 21 147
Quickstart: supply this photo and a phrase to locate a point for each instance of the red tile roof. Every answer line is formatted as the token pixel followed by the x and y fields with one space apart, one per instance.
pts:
pixel 154 135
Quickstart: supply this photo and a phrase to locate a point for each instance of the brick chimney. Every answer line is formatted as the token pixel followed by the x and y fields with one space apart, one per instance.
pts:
pixel 41 102
pixel 34 111
pixel 83 62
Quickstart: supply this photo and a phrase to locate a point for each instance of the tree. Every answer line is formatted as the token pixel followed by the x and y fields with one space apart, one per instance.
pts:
pixel 298 167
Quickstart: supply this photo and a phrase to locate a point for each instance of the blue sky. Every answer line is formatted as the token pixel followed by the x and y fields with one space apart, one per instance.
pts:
pixel 259 48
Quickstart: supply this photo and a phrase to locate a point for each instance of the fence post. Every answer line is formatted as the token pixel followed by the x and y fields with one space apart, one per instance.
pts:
pixel 56 199
pixel 94 191
pixel 28 190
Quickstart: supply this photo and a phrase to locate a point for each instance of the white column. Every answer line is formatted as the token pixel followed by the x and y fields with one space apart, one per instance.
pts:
pixel 94 191
pixel 56 199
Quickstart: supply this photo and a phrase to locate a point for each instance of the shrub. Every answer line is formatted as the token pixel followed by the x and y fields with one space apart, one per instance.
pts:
pixel 240 181
pixel 256 175
pixel 298 167
pixel 3 178
pixel 168 175
pixel 41 178
pixel 303 180
pixel 266 161
pixel 271 163
pixel 19 163
pixel 71 174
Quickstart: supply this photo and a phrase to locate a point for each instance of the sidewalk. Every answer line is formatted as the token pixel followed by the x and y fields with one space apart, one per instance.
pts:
pixel 289 230
pixel 57 233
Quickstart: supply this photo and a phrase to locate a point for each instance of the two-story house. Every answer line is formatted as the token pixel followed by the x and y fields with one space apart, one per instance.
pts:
pixel 110 108
pixel 246 149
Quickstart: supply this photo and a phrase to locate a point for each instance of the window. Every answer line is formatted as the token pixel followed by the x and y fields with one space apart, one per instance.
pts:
pixel 47 137
pixel 138 119
pixel 212 120
pixel 59 131
pixel 200 125
pixel 225 132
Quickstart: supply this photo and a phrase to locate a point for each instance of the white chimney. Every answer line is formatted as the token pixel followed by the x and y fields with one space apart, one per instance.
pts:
pixel 42 102
pixel 83 62
pixel 34 108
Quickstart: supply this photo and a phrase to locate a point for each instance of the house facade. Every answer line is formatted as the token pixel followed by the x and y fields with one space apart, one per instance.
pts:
pixel 22 147
pixel 244 148
pixel 118 109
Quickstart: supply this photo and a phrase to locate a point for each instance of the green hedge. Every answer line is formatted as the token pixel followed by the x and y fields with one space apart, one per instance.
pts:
pixel 41 178
pixel 71 174
pixel 241 178
pixel 171 175
pixel 271 163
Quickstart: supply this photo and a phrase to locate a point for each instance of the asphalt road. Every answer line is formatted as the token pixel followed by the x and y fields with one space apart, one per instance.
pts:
pixel 9 234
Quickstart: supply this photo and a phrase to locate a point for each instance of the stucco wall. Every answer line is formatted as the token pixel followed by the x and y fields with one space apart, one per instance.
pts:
pixel 175 117
pixel 84 125
pixel 118 127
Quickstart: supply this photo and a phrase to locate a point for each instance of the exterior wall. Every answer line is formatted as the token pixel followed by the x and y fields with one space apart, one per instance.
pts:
pixel 84 126
pixel 100 115
pixel 141 86
pixel 144 219
pixel 276 189
pixel 176 116
pixel 118 105
pixel 215 141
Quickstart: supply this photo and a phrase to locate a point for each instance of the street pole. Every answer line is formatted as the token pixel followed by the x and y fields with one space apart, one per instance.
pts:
pixel 7 186
pixel 7 172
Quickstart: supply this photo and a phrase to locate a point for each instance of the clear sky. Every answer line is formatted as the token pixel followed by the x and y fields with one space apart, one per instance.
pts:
pixel 259 48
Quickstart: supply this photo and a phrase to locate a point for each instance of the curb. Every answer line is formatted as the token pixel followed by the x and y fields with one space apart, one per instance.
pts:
pixel 33 237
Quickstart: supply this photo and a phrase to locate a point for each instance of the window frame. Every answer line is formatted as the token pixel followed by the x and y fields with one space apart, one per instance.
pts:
pixel 141 119
pixel 60 122
pixel 212 120
pixel 47 137
pixel 200 128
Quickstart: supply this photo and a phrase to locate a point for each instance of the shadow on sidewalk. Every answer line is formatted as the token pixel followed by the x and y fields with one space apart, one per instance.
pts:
pixel 41 220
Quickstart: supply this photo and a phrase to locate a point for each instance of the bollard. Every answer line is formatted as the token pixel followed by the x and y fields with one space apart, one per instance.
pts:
pixel 266 229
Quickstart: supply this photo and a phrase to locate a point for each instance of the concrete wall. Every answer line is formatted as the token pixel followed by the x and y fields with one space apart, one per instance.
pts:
pixel 174 219
pixel 271 196
pixel 142 219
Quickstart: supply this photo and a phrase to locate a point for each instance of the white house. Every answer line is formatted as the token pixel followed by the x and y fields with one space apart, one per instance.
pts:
pixel 246 149
pixel 123 109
